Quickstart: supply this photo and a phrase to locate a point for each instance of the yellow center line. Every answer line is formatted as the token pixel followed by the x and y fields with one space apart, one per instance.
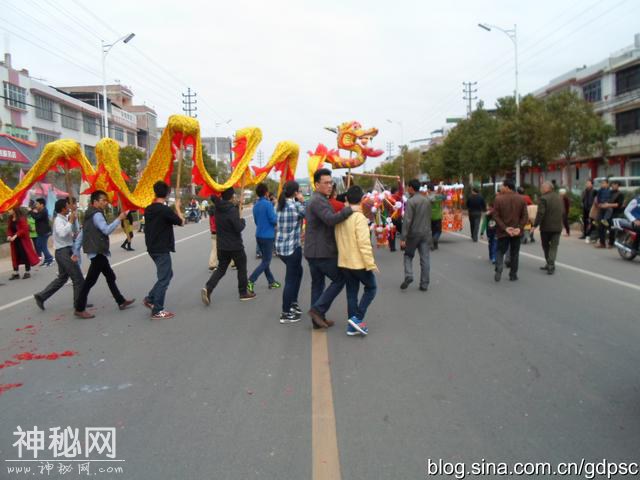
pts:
pixel 324 444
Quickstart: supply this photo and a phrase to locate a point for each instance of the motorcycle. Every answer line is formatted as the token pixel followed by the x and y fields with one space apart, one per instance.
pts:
pixel 626 238
pixel 192 215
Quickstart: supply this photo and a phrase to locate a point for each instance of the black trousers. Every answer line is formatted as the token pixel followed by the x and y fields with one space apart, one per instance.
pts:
pixel 99 265
pixel 474 224
pixel 513 245
pixel 67 268
pixel 224 260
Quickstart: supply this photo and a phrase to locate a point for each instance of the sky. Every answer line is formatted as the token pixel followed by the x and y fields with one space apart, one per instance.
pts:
pixel 292 67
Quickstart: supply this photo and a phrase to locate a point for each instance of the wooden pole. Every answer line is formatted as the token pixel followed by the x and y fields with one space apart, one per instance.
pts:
pixel 67 180
pixel 375 175
pixel 242 184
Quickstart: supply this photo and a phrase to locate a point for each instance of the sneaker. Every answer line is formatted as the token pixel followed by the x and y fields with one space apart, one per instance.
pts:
pixel 587 240
pixel 359 325
pixel 289 317
pixel 162 315
pixel 247 296
pixel 205 296
pixel 406 283
pixel 295 308
pixel 250 286
pixel 147 303
pixel 274 285
pixel 126 303
pixel 39 301
pixel 352 331
pixel 26 275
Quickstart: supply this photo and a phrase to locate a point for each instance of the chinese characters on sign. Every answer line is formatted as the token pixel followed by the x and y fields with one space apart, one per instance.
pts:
pixel 98 443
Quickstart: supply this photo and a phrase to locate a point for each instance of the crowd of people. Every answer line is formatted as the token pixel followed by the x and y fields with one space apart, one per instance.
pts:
pixel 330 231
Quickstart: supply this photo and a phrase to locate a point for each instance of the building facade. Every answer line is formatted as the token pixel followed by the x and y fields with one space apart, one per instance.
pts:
pixel 612 86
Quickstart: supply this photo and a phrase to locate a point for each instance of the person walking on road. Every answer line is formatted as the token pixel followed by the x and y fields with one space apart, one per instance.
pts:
pixel 355 259
pixel 290 214
pixel 160 242
pixel 549 220
pixel 475 208
pixel 264 216
pixel 510 214
pixel 43 228
pixel 416 235
pixel 588 196
pixel 566 206
pixel 229 228
pixel 65 254
pixel 95 243
pixel 127 228
pixel 22 251
pixel 320 248
pixel 213 256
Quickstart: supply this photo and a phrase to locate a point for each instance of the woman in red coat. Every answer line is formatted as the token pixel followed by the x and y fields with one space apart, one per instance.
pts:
pixel 22 252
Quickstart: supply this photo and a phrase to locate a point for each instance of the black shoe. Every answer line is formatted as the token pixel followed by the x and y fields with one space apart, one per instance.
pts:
pixel 131 249
pixel 497 276
pixel 551 270
pixel 513 278
pixel 546 267
pixel 406 283
pixel 424 289
pixel 295 308
pixel 123 246
pixel 39 301
pixel 582 237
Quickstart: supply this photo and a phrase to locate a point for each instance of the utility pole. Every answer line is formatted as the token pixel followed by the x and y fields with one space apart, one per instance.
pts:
pixel 189 103
pixel 389 149
pixel 469 91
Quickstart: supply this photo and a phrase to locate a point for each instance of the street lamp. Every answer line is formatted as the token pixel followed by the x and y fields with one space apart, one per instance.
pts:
pixel 215 145
pixel 106 48
pixel 513 36
pixel 402 146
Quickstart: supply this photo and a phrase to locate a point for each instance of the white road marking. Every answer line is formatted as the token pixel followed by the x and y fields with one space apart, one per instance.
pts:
pixel 568 267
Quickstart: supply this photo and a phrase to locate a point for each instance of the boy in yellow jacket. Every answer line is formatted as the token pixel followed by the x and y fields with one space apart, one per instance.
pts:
pixel 355 259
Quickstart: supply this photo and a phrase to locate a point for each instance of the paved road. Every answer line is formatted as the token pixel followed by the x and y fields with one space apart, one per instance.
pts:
pixel 544 370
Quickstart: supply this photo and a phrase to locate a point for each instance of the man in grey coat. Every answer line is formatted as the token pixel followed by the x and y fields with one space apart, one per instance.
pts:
pixel 416 235
pixel 549 219
pixel 320 248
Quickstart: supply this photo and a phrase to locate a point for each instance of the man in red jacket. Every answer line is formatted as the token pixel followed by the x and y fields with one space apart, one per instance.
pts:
pixel 510 214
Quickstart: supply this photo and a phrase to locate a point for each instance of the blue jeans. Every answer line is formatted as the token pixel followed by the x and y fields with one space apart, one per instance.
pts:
pixel 42 248
pixel 292 278
pixel 164 273
pixel 320 268
pixel 493 244
pixel 354 279
pixel 266 249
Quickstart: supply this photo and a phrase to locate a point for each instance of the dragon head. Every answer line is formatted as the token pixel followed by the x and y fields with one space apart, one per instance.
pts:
pixel 351 134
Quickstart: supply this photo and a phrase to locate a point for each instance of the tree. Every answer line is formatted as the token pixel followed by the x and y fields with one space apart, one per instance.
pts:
pixel 9 172
pixel 432 163
pixel 130 159
pixel 575 126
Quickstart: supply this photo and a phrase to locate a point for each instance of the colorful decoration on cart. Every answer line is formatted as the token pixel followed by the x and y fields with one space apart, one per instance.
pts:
pixel 351 137
pixel 381 208
pixel 451 206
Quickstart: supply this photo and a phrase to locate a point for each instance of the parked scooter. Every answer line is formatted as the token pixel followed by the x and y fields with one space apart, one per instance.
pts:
pixel 626 238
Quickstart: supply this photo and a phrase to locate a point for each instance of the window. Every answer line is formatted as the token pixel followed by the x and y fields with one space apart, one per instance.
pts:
pixel 43 139
pixel 44 108
pixel 628 122
pixel 118 134
pixel 18 132
pixel 69 117
pixel 627 80
pixel 635 168
pixel 15 96
pixel 593 91
pixel 89 124
pixel 131 138
pixel 90 153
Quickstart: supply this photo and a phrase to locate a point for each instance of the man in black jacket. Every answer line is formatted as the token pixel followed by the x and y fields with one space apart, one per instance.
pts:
pixel 588 196
pixel 229 228
pixel 475 208
pixel 43 228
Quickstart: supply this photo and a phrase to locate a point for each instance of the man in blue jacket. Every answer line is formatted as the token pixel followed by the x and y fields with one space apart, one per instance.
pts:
pixel 264 215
